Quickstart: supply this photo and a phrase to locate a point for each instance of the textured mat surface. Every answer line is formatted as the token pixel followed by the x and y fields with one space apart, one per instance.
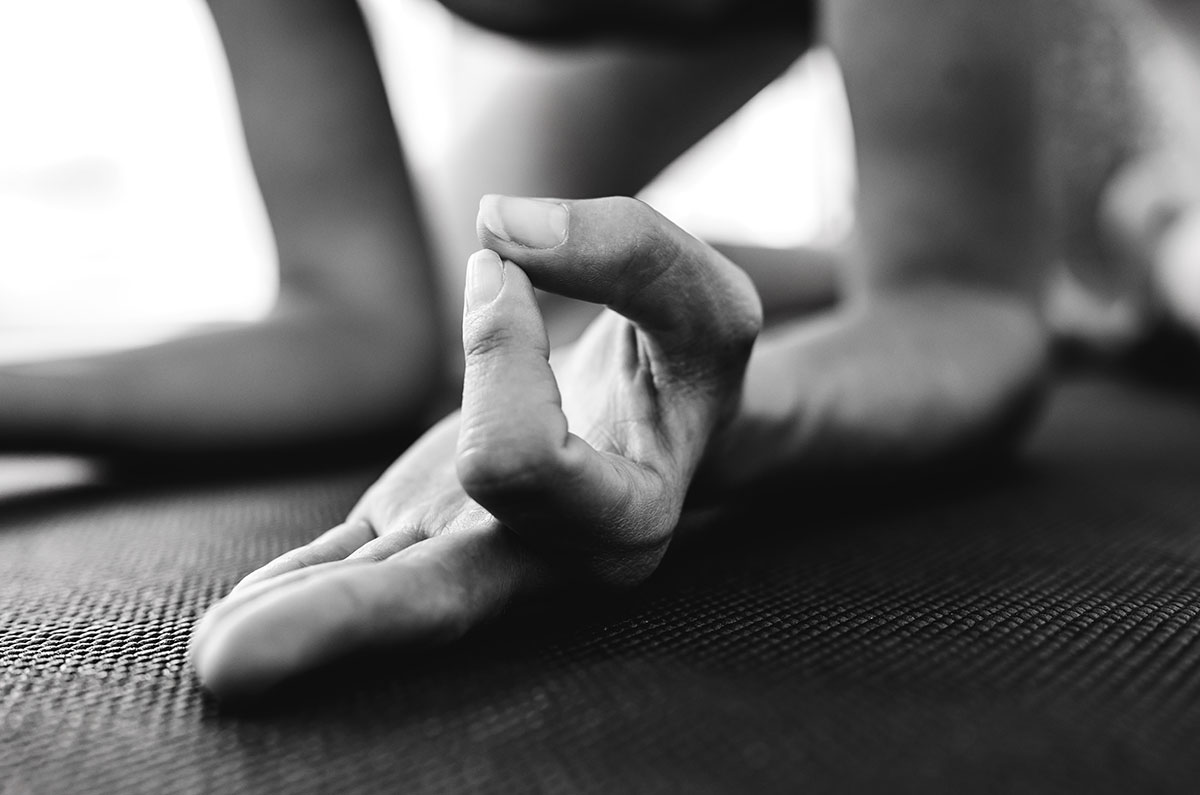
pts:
pixel 1037 632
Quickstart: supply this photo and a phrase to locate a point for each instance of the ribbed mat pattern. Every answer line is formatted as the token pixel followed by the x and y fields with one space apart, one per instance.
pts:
pixel 1033 630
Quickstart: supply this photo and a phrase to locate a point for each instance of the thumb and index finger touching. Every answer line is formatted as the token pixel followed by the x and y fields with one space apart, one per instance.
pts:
pixel 622 253
pixel 697 311
pixel 515 450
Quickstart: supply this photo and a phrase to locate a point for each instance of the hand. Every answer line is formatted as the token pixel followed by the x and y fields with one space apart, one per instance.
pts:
pixel 528 488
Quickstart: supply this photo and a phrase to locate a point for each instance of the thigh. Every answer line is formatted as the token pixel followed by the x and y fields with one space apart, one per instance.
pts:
pixel 584 118
pixel 662 19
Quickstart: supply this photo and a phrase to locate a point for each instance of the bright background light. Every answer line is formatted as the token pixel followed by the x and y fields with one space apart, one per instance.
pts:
pixel 128 209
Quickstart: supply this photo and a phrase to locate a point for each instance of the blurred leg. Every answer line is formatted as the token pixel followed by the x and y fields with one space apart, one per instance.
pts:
pixel 584 119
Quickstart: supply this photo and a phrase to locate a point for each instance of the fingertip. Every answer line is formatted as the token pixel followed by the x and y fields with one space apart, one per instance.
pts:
pixel 500 307
pixel 427 596
pixel 490 277
pixel 266 572
pixel 233 665
pixel 284 564
pixel 289 631
pixel 196 642
pixel 233 609
pixel 487 217
pixel 245 652
pixel 334 544
pixel 532 223
pixel 226 668
pixel 485 279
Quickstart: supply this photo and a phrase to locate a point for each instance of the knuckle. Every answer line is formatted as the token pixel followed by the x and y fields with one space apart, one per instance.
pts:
pixel 651 258
pixel 481 343
pixel 748 316
pixel 655 249
pixel 736 324
pixel 650 251
pixel 629 208
pixel 500 471
pixel 743 327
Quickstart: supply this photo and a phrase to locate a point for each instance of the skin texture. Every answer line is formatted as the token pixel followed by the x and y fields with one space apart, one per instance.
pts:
pixel 571 466
pixel 545 476
pixel 363 341
pixel 579 473
pixel 352 344
pixel 537 137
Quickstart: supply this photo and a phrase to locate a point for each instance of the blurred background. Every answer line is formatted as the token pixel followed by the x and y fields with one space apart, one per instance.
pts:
pixel 128 209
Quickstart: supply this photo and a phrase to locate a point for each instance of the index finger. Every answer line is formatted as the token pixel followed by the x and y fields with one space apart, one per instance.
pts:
pixel 622 253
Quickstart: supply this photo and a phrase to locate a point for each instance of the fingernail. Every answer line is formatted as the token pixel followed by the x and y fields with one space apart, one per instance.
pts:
pixel 533 223
pixel 485 277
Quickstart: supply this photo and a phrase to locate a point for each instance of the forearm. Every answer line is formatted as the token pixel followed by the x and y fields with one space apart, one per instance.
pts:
pixel 303 375
pixel 353 344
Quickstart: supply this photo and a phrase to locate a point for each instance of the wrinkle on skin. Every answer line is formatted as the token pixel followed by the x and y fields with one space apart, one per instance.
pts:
pixel 518 514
